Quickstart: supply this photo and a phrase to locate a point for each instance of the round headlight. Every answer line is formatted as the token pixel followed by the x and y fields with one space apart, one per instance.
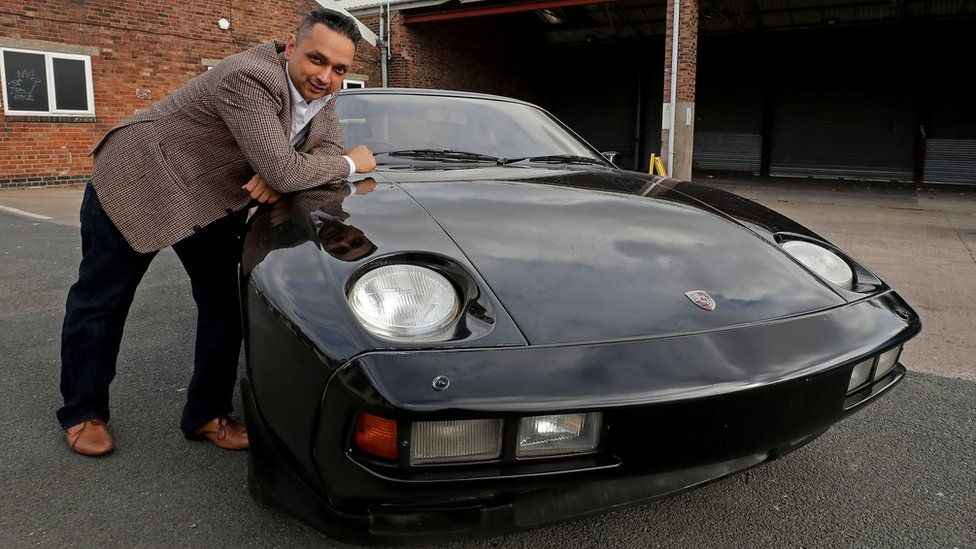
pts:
pixel 404 301
pixel 822 261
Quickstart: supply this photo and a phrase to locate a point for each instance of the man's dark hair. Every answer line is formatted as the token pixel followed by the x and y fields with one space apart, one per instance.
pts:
pixel 336 21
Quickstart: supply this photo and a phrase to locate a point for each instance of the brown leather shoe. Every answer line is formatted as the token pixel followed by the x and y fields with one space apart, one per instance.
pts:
pixel 89 438
pixel 224 432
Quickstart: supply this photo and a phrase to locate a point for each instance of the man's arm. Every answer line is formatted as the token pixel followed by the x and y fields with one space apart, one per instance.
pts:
pixel 250 110
pixel 333 143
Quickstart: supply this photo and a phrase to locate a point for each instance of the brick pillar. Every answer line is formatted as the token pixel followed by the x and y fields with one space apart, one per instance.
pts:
pixel 684 115
pixel 400 68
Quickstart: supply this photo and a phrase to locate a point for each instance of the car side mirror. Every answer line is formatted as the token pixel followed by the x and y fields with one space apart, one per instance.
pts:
pixel 611 155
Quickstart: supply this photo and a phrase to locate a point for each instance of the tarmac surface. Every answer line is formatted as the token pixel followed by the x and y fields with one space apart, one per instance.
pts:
pixel 901 473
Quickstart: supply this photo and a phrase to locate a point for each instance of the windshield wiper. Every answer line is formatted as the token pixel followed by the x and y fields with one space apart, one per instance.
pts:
pixel 559 158
pixel 445 154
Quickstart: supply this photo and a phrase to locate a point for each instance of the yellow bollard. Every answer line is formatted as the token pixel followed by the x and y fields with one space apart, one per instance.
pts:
pixel 657 166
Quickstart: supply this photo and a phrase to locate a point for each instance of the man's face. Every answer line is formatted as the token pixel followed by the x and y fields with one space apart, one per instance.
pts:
pixel 344 242
pixel 317 64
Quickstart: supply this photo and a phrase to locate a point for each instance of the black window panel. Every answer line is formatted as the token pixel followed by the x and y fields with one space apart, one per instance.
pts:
pixel 26 88
pixel 70 89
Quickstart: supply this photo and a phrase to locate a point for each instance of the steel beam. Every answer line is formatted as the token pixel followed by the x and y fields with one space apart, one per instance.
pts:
pixel 496 10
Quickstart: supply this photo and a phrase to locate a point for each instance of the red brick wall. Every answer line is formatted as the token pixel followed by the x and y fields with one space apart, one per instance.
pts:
pixel 153 45
pixel 486 54
pixel 687 50
pixel 367 60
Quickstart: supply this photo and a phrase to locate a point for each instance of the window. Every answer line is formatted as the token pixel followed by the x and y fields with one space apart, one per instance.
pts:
pixel 37 83
pixel 346 84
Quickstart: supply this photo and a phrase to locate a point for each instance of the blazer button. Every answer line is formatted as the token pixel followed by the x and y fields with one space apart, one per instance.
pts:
pixel 196 228
pixel 228 211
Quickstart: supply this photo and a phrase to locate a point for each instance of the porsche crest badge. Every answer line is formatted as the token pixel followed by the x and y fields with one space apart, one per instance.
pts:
pixel 702 299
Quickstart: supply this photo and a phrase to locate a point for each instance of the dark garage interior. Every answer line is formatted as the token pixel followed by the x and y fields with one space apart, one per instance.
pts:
pixel 869 91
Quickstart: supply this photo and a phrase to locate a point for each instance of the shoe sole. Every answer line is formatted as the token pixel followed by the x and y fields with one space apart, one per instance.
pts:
pixel 202 438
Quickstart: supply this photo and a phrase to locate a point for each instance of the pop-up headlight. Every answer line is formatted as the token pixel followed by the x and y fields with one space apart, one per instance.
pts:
pixel 822 261
pixel 404 302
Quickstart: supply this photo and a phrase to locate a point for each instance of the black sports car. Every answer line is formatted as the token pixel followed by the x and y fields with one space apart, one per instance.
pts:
pixel 498 330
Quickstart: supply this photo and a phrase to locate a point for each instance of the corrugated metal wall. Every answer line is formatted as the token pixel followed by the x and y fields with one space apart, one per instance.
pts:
pixel 843 125
pixel 950 123
pixel 728 107
pixel 840 103
pixel 833 103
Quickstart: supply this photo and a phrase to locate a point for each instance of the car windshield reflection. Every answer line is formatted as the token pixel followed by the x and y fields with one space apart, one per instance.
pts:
pixel 407 128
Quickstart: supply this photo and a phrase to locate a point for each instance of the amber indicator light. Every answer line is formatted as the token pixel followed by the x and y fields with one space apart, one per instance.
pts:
pixel 377 436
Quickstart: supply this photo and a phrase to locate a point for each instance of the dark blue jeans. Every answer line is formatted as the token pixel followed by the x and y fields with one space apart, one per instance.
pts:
pixel 99 301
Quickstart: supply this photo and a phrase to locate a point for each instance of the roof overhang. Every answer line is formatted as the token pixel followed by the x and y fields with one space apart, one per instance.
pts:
pixel 368 35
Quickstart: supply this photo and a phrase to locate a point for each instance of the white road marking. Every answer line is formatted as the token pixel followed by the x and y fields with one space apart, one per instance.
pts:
pixel 22 212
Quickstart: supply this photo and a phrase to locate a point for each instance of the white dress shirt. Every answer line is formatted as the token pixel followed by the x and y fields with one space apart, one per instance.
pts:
pixel 302 113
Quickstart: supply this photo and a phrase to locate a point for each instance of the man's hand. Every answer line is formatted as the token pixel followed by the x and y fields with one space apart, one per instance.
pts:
pixel 363 157
pixel 260 191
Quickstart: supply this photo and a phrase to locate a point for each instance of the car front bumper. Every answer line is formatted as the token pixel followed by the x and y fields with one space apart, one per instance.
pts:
pixel 709 405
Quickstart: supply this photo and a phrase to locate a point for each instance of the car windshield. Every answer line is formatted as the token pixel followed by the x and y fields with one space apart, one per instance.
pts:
pixel 406 128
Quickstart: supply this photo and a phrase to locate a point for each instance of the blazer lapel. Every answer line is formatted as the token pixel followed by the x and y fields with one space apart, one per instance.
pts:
pixel 286 119
pixel 313 137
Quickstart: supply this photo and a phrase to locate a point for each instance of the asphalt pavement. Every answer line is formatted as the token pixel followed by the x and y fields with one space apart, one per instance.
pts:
pixel 898 474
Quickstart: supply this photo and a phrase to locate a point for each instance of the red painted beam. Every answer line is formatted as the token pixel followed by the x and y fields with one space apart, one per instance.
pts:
pixel 495 10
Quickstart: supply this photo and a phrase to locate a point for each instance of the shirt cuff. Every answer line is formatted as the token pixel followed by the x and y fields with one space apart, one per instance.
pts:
pixel 352 165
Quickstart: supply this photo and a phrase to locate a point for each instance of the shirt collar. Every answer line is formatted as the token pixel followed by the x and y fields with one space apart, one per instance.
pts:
pixel 296 97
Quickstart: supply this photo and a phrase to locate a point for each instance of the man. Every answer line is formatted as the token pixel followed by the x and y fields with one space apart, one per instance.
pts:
pixel 172 175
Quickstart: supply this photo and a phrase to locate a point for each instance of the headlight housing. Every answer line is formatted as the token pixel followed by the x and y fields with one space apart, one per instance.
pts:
pixel 404 302
pixel 821 261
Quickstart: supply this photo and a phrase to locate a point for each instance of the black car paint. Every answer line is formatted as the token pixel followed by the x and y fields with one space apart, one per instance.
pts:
pixel 755 378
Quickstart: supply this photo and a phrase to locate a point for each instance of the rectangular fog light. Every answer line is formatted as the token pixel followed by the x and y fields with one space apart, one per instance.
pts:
pixel 886 362
pixel 455 441
pixel 558 434
pixel 860 374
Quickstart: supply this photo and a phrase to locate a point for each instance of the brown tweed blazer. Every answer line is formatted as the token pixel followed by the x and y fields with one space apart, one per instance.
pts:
pixel 179 165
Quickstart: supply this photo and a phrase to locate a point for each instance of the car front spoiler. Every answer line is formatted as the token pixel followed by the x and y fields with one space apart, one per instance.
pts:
pixel 272 481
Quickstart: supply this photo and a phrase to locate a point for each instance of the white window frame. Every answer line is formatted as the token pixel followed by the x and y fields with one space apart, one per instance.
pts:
pixel 362 84
pixel 53 109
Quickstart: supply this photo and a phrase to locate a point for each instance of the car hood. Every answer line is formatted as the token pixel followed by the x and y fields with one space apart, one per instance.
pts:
pixel 596 254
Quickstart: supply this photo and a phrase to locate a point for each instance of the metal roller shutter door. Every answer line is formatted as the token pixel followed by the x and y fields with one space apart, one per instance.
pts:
pixel 845 111
pixel 950 150
pixel 950 161
pixel 728 108
pixel 604 111
pixel 856 134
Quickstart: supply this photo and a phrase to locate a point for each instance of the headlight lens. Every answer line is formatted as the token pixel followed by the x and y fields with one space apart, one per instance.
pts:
pixel 455 441
pixel 404 301
pixel 886 362
pixel 558 434
pixel 860 374
pixel 822 261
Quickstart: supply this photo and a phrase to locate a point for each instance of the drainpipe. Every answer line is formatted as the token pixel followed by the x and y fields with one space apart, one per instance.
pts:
pixel 674 85
pixel 384 46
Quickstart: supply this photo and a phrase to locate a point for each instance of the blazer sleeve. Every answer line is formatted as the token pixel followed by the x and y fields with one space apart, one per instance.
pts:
pixel 250 108
pixel 333 142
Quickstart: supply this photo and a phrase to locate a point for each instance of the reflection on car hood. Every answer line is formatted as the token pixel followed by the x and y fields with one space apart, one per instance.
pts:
pixel 594 254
